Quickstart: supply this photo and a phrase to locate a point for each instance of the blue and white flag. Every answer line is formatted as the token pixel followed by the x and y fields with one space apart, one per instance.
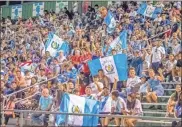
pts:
pixel 38 8
pixel 149 10
pixel 60 5
pixel 113 66
pixel 76 104
pixel 16 12
pixel 110 22
pixel 120 42
pixel 54 44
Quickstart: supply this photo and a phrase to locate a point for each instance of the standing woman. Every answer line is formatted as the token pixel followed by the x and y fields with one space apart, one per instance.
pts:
pixel 9 106
pixel 155 88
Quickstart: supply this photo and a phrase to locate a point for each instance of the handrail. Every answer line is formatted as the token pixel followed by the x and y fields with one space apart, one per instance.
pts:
pixel 29 87
pixel 56 77
pixel 27 97
pixel 164 83
pixel 98 115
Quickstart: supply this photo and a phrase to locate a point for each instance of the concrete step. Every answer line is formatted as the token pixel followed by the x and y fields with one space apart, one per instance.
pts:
pixel 150 123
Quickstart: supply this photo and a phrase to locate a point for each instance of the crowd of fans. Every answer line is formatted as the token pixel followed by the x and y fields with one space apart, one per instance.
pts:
pixel 154 56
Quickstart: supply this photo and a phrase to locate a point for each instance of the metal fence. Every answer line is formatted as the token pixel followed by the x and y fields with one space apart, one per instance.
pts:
pixel 23 112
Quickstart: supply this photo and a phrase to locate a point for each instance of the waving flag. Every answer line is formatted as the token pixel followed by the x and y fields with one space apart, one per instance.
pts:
pixel 112 66
pixel 28 66
pixel 120 42
pixel 149 10
pixel 54 44
pixel 70 104
pixel 110 22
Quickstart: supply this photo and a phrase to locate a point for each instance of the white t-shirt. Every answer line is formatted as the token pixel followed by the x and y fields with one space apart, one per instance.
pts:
pixel 95 89
pixel 131 82
pixel 119 104
pixel 61 59
pixel 176 49
pixel 170 65
pixel 133 13
pixel 157 53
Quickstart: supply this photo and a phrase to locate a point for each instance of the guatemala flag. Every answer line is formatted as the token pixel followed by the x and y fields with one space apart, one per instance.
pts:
pixel 120 42
pixel 76 104
pixel 110 22
pixel 113 66
pixel 149 10
pixel 54 44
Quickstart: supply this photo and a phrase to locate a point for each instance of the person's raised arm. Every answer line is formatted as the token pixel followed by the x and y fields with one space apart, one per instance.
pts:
pixel 98 87
pixel 160 77
pixel 115 84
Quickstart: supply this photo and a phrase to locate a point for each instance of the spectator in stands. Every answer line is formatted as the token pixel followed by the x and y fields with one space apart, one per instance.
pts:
pixel 134 108
pixel 96 86
pixel 133 79
pixel 170 64
pixel 118 105
pixel 178 111
pixel 103 78
pixel 155 88
pixel 20 80
pixel 137 62
pixel 88 93
pixel 10 106
pixel 70 87
pixel 45 104
pixel 157 55
pixel 105 103
pixel 27 78
pixel 173 100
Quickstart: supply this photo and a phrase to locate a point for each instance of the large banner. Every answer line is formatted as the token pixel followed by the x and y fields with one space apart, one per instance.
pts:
pixel 113 66
pixel 16 12
pixel 60 5
pixel 38 9
pixel 76 104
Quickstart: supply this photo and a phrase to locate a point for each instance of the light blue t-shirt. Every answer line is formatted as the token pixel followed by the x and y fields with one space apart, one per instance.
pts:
pixel 45 102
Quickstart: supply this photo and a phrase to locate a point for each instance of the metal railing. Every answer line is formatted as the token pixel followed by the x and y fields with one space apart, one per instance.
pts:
pixel 21 90
pixel 22 112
